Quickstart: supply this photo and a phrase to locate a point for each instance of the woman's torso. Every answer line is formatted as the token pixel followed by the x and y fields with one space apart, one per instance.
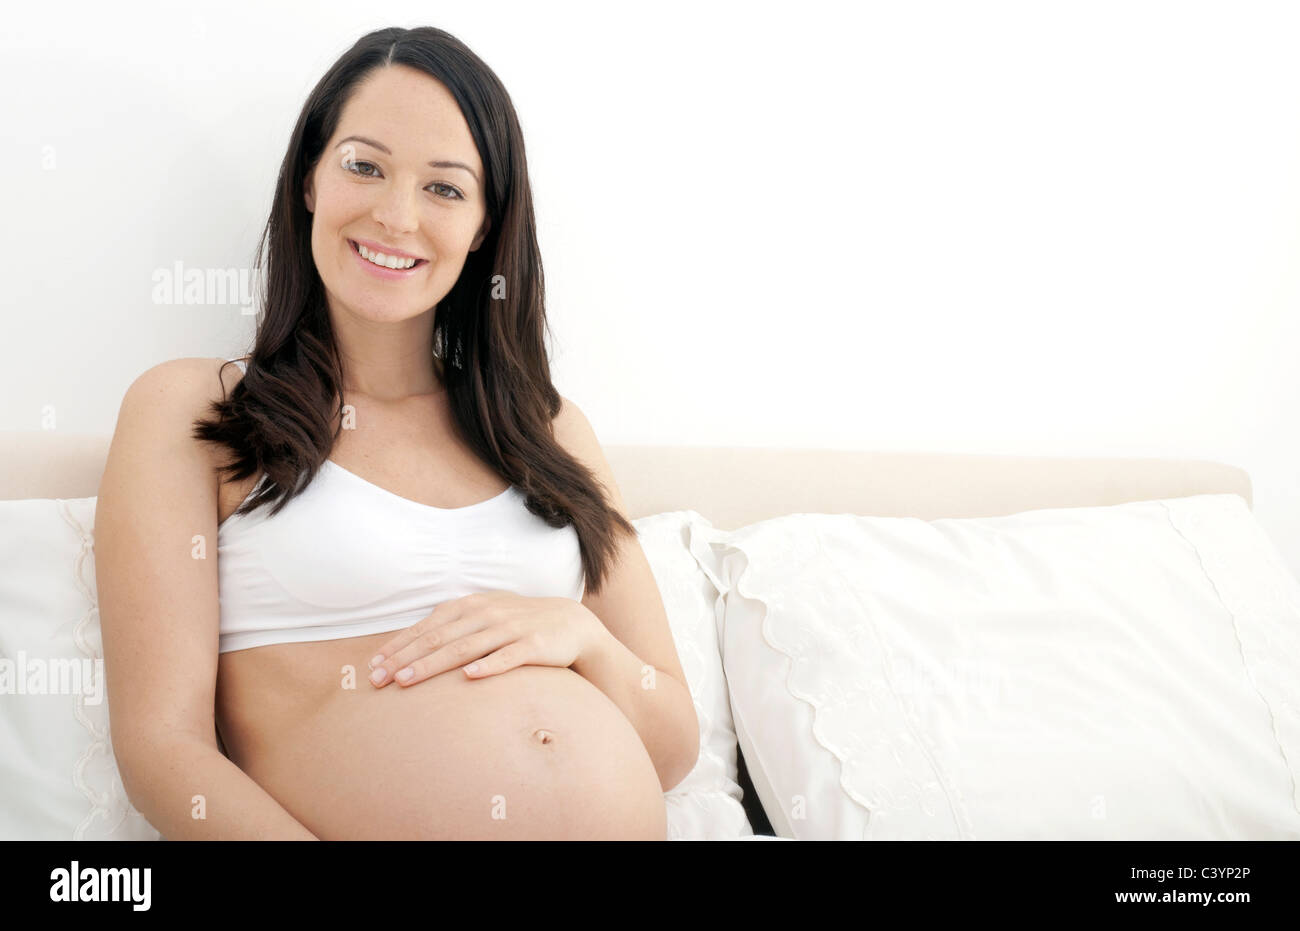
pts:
pixel 534 752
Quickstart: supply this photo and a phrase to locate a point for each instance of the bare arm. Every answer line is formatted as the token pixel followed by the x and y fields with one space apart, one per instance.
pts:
pixel 159 614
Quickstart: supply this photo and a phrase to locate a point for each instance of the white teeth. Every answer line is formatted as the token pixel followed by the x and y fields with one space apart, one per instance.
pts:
pixel 387 261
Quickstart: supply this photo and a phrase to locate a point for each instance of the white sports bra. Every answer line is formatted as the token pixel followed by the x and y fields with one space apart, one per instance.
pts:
pixel 347 558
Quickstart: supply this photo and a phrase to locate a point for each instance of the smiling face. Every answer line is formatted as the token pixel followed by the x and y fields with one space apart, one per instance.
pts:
pixel 373 190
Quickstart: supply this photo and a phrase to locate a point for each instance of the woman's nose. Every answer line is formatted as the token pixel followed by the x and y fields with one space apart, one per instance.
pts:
pixel 396 209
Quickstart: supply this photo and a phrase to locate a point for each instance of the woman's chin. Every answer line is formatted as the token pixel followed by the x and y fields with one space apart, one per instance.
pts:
pixel 366 311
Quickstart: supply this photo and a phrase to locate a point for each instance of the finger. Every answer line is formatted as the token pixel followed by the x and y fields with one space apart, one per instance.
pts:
pixel 457 653
pixel 401 639
pixel 510 656
pixel 423 644
pixel 447 611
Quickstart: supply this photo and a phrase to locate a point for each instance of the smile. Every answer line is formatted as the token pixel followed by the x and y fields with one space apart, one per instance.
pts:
pixel 386 266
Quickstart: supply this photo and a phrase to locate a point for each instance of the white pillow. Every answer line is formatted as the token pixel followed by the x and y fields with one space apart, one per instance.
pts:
pixel 58 776
pixel 706 804
pixel 1124 672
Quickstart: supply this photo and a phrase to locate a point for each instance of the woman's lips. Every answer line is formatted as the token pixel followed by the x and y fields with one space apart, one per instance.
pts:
pixel 380 271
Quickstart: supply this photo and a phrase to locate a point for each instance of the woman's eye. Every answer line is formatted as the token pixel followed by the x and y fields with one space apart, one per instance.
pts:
pixel 458 194
pixel 455 194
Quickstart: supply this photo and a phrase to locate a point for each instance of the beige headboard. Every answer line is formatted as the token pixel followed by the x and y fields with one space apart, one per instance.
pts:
pixel 735 486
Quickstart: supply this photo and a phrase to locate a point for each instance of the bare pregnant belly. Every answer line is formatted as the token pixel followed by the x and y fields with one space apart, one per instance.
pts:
pixel 536 753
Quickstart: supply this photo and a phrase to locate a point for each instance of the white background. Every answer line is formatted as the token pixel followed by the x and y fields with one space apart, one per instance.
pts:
pixel 1037 228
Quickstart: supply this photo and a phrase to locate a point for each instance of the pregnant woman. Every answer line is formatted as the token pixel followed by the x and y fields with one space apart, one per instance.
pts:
pixel 376 581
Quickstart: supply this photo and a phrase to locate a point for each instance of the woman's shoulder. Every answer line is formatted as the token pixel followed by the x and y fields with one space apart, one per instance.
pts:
pixel 163 403
pixel 193 383
pixel 190 375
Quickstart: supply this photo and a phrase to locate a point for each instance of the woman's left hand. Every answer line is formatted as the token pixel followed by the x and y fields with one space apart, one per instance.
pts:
pixel 492 632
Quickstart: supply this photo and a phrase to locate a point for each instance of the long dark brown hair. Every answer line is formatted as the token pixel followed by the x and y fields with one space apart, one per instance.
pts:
pixel 284 416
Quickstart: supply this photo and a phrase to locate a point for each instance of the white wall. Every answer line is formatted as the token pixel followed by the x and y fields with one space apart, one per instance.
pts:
pixel 1033 228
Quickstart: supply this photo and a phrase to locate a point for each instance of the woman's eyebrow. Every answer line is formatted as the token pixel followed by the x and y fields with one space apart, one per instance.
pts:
pixel 442 163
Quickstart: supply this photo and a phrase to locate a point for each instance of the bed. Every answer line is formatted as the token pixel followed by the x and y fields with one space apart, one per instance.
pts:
pixel 880 645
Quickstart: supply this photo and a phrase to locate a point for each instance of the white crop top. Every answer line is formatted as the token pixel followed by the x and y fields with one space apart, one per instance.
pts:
pixel 347 558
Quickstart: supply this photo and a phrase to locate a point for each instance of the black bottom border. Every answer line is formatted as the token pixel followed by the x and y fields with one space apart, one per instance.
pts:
pixel 337 879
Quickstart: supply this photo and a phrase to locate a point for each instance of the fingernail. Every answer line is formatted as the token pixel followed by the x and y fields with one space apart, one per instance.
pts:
pixel 378 676
pixel 376 660
pixel 406 673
